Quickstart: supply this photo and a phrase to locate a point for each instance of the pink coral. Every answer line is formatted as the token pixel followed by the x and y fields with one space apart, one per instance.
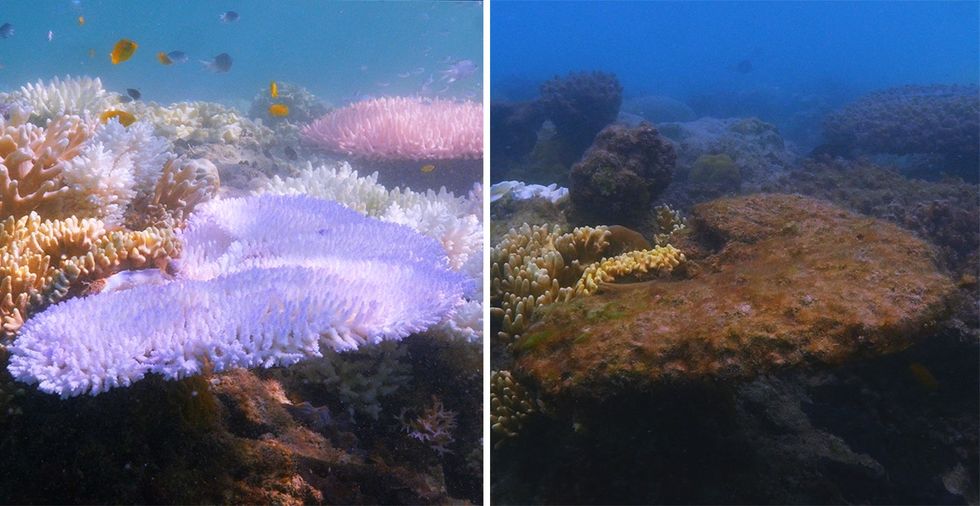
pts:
pixel 402 128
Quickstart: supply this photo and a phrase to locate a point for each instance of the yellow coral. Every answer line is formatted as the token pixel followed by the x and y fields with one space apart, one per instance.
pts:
pixel 510 405
pixel 535 266
pixel 659 259
pixel 41 261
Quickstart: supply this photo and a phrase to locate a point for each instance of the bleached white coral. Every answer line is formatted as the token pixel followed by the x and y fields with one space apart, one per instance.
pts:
pixel 456 222
pixel 449 219
pixel 199 122
pixel 519 190
pixel 59 97
pixel 358 281
pixel 115 165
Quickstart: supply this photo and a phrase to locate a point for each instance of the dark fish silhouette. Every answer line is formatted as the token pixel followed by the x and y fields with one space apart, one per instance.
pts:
pixel 228 17
pixel 6 30
pixel 133 92
pixel 177 56
pixel 743 67
pixel 219 64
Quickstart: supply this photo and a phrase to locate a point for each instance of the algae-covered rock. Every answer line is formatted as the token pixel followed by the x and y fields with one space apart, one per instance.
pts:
pixel 783 281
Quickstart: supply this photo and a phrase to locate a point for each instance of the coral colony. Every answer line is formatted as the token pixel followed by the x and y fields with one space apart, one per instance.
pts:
pixel 323 261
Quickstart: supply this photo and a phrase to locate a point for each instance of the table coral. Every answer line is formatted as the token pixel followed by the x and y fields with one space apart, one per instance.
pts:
pixel 263 281
pixel 42 260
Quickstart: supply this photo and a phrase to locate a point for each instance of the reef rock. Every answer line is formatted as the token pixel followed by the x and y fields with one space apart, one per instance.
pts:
pixel 777 281
pixel 621 173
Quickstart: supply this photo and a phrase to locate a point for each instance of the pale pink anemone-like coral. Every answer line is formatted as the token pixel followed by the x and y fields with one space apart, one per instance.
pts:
pixel 402 128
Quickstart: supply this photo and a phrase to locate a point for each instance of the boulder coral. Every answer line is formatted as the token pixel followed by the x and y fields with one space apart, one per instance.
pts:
pixel 780 281
pixel 580 104
pixel 621 174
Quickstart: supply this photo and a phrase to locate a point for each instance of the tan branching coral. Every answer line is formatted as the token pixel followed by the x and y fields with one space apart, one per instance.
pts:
pixel 183 184
pixel 659 259
pixel 534 266
pixel 42 260
pixel 32 159
pixel 510 405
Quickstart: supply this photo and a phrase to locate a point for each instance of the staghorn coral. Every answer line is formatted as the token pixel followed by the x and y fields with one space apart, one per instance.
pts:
pixel 263 281
pixel 510 406
pixel 41 261
pixel 61 97
pixel 659 259
pixel 200 122
pixel 402 128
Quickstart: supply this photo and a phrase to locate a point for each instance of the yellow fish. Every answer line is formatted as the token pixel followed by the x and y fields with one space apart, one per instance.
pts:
pixel 81 20
pixel 124 117
pixel 278 110
pixel 164 59
pixel 428 168
pixel 122 51
pixel 274 89
pixel 923 376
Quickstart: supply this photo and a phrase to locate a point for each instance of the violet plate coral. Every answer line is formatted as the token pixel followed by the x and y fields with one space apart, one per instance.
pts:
pixel 266 281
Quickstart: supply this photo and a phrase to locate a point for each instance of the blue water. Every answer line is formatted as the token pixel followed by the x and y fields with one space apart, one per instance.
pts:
pixel 798 51
pixel 337 50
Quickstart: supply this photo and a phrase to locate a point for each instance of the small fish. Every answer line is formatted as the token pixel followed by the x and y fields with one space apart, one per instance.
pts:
pixel 81 20
pixel 133 92
pixel 124 117
pixel 164 59
pixel 383 84
pixel 50 35
pixel 418 70
pixel 228 17
pixel 923 376
pixel 290 153
pixel 122 51
pixel 219 64
pixel 91 52
pixel 403 75
pixel 743 67
pixel 177 56
pixel 6 31
pixel 459 71
pixel 428 168
pixel 273 90
pixel 278 110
